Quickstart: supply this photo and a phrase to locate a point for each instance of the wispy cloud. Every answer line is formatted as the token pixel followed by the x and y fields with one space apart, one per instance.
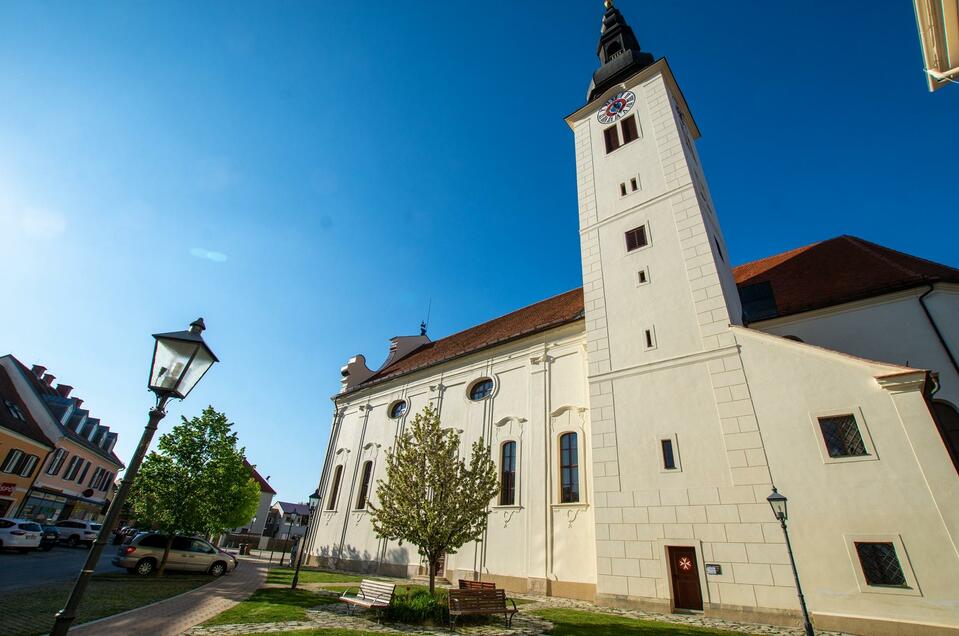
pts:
pixel 210 255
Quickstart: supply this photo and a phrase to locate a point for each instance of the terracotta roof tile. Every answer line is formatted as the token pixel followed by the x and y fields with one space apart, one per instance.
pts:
pixel 838 270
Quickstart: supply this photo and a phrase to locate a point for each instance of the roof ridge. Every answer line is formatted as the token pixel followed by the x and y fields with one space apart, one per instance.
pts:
pixel 789 251
pixel 876 249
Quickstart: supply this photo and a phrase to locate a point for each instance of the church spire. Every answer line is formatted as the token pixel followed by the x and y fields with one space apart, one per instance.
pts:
pixel 618 51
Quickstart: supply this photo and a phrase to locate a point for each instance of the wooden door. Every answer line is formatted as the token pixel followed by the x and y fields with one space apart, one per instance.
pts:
pixel 687 593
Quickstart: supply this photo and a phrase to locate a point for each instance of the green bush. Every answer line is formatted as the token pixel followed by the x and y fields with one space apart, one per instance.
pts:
pixel 417 606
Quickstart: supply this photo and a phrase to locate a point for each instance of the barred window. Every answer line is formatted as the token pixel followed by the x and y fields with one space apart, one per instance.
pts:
pixel 880 564
pixel 842 436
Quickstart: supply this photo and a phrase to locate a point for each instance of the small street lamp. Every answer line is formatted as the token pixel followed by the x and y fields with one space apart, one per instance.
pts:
pixel 314 506
pixel 778 503
pixel 180 360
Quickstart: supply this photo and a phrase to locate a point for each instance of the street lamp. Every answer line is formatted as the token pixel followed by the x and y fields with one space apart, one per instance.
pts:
pixel 314 506
pixel 778 503
pixel 180 359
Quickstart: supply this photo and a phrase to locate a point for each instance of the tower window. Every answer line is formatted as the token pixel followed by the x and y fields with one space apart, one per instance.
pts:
pixel 636 238
pixel 669 460
pixel 622 189
pixel 842 436
pixel 630 131
pixel 649 338
pixel 634 184
pixel 880 564
pixel 642 277
pixel 611 135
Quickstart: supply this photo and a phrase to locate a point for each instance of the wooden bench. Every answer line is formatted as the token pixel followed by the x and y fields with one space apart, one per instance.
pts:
pixel 477 602
pixel 371 595
pixel 477 585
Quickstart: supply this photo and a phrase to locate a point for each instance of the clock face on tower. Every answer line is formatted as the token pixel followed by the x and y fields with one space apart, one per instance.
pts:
pixel 616 107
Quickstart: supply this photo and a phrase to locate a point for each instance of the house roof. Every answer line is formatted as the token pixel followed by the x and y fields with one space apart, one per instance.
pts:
pixel 827 273
pixel 288 508
pixel 28 428
pixel 264 484
pixel 836 271
pixel 545 314
pixel 43 389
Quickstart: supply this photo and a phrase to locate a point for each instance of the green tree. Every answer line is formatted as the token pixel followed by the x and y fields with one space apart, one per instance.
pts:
pixel 431 497
pixel 196 482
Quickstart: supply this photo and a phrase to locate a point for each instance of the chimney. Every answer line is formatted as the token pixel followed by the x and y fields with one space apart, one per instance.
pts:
pixel 48 379
pixel 38 370
pixel 64 390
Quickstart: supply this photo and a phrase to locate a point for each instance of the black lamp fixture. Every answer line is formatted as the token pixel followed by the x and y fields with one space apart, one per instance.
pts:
pixel 315 500
pixel 180 360
pixel 777 501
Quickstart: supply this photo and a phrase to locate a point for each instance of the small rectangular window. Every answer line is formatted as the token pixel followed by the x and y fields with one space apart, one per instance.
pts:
pixel 842 436
pixel 622 189
pixel 650 340
pixel 630 132
pixel 634 184
pixel 636 238
pixel 611 135
pixel 669 461
pixel 643 277
pixel 880 564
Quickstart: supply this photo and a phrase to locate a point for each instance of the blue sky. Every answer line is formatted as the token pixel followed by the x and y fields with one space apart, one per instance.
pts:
pixel 308 175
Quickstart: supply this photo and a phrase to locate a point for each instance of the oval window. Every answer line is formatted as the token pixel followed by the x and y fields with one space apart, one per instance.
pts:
pixel 481 389
pixel 398 409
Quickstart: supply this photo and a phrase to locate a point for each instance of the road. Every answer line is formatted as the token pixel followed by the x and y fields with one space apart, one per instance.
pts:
pixel 36 568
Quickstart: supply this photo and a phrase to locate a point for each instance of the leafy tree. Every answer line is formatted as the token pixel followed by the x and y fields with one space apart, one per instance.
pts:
pixel 196 483
pixel 431 497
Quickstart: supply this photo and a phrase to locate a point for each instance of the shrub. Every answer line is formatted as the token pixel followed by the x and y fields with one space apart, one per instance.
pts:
pixel 417 606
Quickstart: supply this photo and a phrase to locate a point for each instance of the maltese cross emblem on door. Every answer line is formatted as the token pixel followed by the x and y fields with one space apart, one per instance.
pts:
pixel 685 564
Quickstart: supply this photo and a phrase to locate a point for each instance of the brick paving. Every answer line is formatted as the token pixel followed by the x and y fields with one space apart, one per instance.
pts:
pixel 178 614
pixel 524 624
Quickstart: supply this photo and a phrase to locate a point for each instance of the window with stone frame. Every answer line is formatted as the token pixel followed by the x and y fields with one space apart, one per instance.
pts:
pixel 636 238
pixel 569 468
pixel 334 488
pixel 880 564
pixel 842 437
pixel 507 493
pixel 363 498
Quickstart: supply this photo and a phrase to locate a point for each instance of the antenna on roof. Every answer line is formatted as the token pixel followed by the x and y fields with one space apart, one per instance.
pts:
pixel 425 323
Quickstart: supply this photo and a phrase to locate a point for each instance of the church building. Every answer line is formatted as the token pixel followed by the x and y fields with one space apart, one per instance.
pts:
pixel 639 423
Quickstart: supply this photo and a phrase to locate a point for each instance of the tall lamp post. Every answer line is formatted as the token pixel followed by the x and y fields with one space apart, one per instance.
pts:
pixel 778 503
pixel 180 360
pixel 314 505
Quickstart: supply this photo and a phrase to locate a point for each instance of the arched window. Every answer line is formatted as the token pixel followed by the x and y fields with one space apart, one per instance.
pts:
pixel 364 494
pixel 948 420
pixel 481 389
pixel 334 488
pixel 507 484
pixel 398 409
pixel 569 468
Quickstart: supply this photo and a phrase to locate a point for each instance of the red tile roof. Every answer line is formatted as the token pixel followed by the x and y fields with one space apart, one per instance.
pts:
pixel 839 270
pixel 28 428
pixel 827 273
pixel 545 314
pixel 264 484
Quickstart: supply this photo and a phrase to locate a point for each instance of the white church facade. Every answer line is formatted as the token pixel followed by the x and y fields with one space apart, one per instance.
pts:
pixel 639 423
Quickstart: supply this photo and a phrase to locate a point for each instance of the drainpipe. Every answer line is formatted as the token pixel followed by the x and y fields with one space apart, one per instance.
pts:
pixel 935 328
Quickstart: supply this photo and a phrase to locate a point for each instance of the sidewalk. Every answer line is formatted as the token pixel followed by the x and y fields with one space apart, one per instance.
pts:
pixel 178 614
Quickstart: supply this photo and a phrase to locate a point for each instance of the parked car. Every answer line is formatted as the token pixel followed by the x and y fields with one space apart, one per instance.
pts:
pixel 73 532
pixel 124 534
pixel 142 555
pixel 51 537
pixel 22 535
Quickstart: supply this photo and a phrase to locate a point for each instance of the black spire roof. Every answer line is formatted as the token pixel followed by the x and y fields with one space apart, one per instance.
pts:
pixel 619 54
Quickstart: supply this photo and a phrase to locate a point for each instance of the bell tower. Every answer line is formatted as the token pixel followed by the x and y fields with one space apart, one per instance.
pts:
pixel 669 406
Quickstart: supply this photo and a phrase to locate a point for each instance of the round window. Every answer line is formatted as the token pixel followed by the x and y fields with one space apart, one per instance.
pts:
pixel 398 409
pixel 481 389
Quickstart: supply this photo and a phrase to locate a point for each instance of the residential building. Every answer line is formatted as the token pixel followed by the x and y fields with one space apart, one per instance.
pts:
pixel 23 447
pixel 287 520
pixel 258 522
pixel 76 481
pixel 639 423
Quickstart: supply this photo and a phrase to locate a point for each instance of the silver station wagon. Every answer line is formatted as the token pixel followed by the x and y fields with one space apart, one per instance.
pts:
pixel 142 555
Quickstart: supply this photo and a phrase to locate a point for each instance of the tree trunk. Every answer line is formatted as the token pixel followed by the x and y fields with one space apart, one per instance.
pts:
pixel 166 554
pixel 433 563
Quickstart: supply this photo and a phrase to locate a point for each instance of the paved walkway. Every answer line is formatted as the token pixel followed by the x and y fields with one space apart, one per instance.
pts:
pixel 178 614
pixel 524 624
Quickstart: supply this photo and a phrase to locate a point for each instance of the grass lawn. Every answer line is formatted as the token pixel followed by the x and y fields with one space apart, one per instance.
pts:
pixel 271 605
pixel 579 623
pixel 29 612
pixel 320 632
pixel 285 576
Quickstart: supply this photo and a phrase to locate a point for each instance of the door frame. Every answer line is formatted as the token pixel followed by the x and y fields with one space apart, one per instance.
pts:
pixel 695 544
